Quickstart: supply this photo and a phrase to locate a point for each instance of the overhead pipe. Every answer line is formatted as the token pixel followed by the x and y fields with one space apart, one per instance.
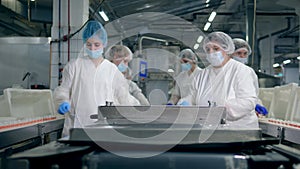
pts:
pixel 69 30
pixel 60 69
pixel 59 27
pixel 28 10
pixel 149 38
pixel 272 34
pixel 192 7
pixel 50 66
pixel 295 29
pixel 251 30
pixel 278 32
pixel 12 28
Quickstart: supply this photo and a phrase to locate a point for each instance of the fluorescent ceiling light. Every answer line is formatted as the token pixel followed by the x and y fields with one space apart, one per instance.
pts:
pixel 196 46
pixel 171 71
pixel 200 38
pixel 207 1
pixel 32 0
pixel 276 65
pixel 148 6
pixel 287 61
pixel 240 157
pixel 298 57
pixel 207 25
pixel 104 16
pixel 212 16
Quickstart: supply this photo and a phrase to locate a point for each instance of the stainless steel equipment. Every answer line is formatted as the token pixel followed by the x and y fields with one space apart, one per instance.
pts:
pixel 282 129
pixel 171 124
pixel 161 114
pixel 123 132
pixel 154 69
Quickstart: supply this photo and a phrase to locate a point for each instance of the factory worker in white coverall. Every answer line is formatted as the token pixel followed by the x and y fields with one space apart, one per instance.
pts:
pixel 189 70
pixel 89 81
pixel 241 53
pixel 226 82
pixel 121 55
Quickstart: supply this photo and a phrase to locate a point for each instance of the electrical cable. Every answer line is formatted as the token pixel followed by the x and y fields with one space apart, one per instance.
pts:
pixel 67 37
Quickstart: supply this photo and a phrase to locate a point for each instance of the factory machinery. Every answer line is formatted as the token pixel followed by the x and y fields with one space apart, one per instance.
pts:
pixel 164 137
pixel 27 120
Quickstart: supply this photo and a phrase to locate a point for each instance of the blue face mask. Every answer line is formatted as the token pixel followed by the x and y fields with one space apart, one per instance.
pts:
pixel 122 67
pixel 94 54
pixel 215 59
pixel 242 60
pixel 186 66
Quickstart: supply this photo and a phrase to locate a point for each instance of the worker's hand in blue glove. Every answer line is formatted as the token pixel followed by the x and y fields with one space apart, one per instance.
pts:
pixel 169 104
pixel 261 110
pixel 184 103
pixel 64 108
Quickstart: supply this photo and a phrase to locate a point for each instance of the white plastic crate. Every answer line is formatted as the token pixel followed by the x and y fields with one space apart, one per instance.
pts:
pixel 282 102
pixel 266 96
pixel 4 110
pixel 26 103
pixel 296 107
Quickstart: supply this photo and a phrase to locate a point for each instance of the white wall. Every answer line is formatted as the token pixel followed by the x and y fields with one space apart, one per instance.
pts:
pixel 19 55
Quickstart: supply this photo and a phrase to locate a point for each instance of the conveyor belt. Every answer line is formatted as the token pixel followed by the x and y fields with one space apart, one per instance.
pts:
pixel 18 134
pixel 284 130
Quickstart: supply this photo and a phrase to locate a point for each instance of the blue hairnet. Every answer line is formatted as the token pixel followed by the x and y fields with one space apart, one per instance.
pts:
pixel 94 28
pixel 222 39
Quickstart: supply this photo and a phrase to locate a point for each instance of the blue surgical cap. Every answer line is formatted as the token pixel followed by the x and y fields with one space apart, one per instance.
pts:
pixel 94 28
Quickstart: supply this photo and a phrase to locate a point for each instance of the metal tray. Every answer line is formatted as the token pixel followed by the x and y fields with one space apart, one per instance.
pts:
pixel 160 114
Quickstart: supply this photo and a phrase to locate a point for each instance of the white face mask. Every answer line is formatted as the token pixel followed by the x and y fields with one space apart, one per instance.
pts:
pixel 215 59
pixel 94 54
pixel 242 60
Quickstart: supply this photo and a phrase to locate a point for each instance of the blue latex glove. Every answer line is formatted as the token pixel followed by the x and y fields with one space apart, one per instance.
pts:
pixel 64 108
pixel 261 110
pixel 169 104
pixel 184 103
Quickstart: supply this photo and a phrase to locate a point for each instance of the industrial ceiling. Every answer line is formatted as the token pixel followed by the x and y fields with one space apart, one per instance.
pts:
pixel 274 19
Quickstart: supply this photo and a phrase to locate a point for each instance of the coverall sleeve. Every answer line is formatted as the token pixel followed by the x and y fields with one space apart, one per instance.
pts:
pixel 191 97
pixel 175 96
pixel 246 92
pixel 137 93
pixel 63 92
pixel 121 90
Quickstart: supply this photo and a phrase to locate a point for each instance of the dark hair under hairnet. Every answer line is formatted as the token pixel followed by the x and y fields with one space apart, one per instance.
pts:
pixel 189 54
pixel 241 43
pixel 221 39
pixel 94 28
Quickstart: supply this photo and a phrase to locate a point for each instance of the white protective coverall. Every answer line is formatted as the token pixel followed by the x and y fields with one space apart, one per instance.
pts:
pixel 136 92
pixel 234 86
pixel 86 87
pixel 183 83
